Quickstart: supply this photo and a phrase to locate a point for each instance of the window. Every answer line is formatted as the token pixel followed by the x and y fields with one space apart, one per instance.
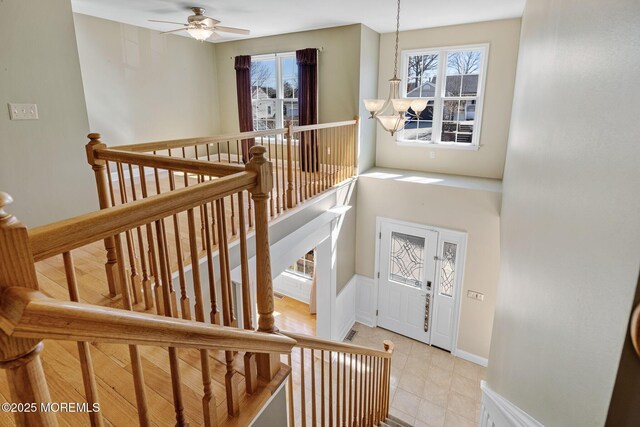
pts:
pixel 274 90
pixel 451 80
pixel 304 266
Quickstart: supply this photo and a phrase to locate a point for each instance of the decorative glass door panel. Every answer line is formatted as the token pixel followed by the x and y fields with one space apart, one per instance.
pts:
pixel 407 259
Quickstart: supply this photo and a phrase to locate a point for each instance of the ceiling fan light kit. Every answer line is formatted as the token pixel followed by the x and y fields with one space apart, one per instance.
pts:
pixel 202 27
pixel 393 112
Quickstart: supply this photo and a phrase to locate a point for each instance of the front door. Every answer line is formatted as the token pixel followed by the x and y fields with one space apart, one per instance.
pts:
pixel 407 271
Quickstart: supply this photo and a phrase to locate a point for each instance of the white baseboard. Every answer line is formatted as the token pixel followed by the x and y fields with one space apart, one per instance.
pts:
pixel 365 301
pixel 482 361
pixel 346 308
pixel 496 411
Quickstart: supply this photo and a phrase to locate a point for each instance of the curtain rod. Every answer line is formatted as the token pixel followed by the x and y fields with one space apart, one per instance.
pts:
pixel 319 49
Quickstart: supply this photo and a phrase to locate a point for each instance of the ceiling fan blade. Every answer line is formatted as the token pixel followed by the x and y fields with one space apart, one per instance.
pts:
pixel 232 30
pixel 212 21
pixel 173 31
pixel 168 22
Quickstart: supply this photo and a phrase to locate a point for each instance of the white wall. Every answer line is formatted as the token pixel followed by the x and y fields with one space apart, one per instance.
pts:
pixel 570 216
pixel 487 162
pixel 143 86
pixel 43 162
pixel 464 204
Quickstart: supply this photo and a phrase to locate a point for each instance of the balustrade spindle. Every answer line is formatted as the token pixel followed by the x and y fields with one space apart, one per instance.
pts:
pixel 84 352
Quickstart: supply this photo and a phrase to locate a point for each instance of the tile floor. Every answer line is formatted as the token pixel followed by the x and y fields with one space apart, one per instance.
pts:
pixel 429 387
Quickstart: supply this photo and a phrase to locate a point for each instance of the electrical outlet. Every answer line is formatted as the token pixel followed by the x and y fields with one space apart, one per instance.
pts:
pixel 432 154
pixel 23 111
pixel 475 295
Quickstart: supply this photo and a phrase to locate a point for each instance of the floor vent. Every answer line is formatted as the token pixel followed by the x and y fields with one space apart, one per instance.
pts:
pixel 352 333
pixel 277 295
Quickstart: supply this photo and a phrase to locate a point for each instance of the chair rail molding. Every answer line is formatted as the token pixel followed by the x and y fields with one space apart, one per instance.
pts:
pixel 496 411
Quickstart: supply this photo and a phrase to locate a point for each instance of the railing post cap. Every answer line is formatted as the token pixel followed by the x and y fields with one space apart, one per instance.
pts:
pixel 94 135
pixel 258 150
pixel 5 200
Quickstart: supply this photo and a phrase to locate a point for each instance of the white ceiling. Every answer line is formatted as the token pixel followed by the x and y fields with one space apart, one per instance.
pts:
pixel 268 17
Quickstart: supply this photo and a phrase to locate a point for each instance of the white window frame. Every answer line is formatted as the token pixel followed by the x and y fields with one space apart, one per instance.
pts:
pixel 439 95
pixel 279 99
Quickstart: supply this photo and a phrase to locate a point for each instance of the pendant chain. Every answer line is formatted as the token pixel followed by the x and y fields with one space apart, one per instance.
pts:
pixel 395 66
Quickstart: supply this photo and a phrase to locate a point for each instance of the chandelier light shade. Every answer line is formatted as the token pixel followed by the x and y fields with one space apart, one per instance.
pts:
pixel 393 112
pixel 199 33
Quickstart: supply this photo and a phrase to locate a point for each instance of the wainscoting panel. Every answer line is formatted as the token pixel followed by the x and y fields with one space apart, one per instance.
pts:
pixel 346 309
pixel 496 411
pixel 365 301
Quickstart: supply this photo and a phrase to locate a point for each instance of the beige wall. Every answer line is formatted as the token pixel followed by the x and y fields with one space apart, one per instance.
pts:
pixel 338 70
pixel 42 162
pixel 143 86
pixel 369 51
pixel 487 162
pixel 570 217
pixel 455 207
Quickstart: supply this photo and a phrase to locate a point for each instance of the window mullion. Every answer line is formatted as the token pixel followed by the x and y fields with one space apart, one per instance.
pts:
pixel 438 102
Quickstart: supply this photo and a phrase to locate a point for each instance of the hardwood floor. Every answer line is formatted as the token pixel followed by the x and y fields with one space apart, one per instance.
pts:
pixel 293 316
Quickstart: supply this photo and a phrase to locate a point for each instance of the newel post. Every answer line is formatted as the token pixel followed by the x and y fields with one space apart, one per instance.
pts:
pixel 20 356
pixel 104 199
pixel 268 364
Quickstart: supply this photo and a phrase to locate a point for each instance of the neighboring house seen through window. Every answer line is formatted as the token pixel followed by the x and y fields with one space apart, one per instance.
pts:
pixel 274 90
pixel 452 81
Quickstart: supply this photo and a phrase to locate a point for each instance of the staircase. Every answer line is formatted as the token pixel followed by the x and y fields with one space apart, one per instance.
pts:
pixel 130 309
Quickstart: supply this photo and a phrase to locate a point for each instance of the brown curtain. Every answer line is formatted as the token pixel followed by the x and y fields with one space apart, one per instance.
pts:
pixel 245 114
pixel 307 60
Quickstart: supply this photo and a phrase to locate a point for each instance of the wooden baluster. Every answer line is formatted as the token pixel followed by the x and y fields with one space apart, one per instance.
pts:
pixel 104 201
pixel 376 391
pixel 136 283
pixel 146 282
pixel 325 162
pixel 250 369
pixel 136 363
pixel 313 389
pixel 233 403
pixel 290 394
pixel 204 218
pixel 208 399
pixel 277 194
pixel 19 357
pixel 185 304
pixel 283 173
pixel 350 420
pixel 163 254
pixel 169 308
pixel 360 372
pixel 303 401
pixel 322 404
pixel 153 262
pixel 268 364
pixel 388 347
pixel 338 390
pixel 330 389
pixel 214 313
pixel 367 395
pixel 344 388
pixel 84 352
pixel 233 217
pixel 316 162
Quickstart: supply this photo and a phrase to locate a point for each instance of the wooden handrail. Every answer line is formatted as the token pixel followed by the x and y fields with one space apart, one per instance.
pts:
pixel 69 234
pixel 315 343
pixel 634 329
pixel 199 167
pixel 189 142
pixel 296 129
pixel 25 313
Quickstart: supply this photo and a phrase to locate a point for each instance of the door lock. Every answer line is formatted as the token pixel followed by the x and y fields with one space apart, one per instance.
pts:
pixel 428 285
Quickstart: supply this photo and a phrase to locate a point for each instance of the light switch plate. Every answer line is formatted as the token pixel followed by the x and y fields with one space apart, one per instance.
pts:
pixel 23 111
pixel 475 295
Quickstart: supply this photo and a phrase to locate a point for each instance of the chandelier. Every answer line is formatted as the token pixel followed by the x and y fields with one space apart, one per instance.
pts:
pixel 393 112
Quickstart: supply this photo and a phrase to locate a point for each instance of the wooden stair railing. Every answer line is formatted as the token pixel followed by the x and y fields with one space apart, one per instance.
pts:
pixel 152 273
pixel 349 384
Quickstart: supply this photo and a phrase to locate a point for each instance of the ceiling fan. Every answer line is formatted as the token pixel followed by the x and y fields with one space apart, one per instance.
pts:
pixel 202 27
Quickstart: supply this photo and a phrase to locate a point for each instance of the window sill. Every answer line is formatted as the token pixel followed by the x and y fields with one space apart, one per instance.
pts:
pixel 466 147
